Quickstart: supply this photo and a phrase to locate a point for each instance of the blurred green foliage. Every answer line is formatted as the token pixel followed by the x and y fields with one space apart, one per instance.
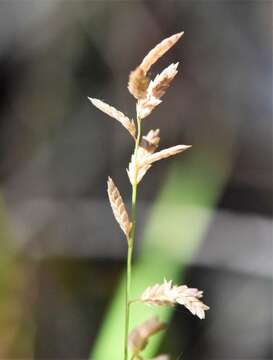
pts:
pixel 16 327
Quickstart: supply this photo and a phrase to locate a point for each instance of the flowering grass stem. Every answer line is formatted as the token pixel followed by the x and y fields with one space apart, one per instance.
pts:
pixel 148 94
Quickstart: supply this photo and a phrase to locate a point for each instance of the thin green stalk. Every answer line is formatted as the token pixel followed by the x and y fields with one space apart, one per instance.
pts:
pixel 131 246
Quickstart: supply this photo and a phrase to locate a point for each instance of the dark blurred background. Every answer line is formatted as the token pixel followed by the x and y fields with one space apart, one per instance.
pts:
pixel 61 253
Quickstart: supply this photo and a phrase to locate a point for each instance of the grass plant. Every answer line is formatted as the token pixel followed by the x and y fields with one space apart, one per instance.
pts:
pixel 148 94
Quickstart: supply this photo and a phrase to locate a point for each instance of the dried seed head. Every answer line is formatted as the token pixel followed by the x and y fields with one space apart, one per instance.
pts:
pixel 158 51
pixel 146 106
pixel 141 163
pixel 148 145
pixel 139 337
pixel 161 357
pixel 118 207
pixel 159 294
pixel 162 81
pixel 174 150
pixel 155 91
pixel 116 114
pixel 149 94
pixel 190 299
pixel 167 294
pixel 138 83
pixel 152 137
pixel 135 171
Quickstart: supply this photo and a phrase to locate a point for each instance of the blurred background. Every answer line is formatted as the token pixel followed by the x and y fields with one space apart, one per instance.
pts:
pixel 205 217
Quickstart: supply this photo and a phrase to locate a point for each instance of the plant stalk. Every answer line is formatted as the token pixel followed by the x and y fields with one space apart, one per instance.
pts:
pixel 131 240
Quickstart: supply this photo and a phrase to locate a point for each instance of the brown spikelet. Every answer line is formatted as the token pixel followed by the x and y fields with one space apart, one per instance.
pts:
pixel 145 162
pixel 159 294
pixel 167 294
pixel 174 150
pixel 162 81
pixel 136 171
pixel 148 145
pixel 138 338
pixel 142 162
pixel 147 105
pixel 118 207
pixel 155 91
pixel 116 114
pixel 158 51
pixel 138 83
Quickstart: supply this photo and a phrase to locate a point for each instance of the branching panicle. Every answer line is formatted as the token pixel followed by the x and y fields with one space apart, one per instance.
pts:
pixel 148 94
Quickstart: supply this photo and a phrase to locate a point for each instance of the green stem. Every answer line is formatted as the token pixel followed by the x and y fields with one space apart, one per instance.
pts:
pixel 131 240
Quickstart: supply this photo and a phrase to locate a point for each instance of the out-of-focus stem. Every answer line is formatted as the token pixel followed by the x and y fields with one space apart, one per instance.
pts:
pixel 131 244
